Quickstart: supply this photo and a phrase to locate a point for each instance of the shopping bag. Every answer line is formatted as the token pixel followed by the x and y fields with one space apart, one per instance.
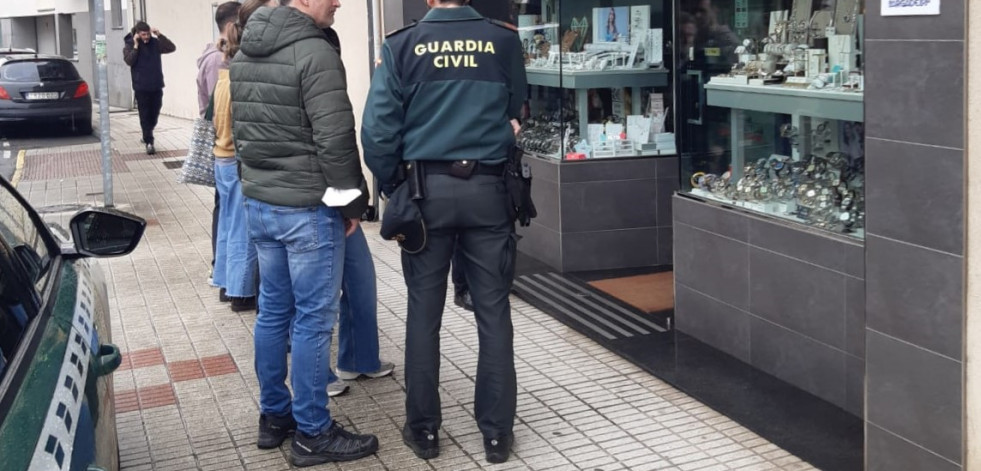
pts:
pixel 199 165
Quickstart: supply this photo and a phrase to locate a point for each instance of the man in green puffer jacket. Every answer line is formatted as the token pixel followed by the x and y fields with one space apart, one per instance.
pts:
pixel 294 135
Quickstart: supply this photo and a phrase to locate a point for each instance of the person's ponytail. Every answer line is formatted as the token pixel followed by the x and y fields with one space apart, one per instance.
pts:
pixel 233 40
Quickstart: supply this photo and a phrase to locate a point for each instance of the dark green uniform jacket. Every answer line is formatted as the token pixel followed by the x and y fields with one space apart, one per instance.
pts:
pixel 292 118
pixel 446 89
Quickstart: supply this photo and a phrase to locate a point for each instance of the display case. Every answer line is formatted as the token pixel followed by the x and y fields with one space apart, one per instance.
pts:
pixel 774 117
pixel 599 84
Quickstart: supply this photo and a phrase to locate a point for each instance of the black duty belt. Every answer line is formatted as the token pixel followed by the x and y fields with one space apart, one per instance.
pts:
pixel 446 167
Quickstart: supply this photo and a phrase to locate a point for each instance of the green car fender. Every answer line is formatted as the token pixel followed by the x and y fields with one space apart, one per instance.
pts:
pixel 58 406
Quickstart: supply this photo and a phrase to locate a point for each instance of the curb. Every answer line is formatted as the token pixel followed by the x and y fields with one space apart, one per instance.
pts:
pixel 19 171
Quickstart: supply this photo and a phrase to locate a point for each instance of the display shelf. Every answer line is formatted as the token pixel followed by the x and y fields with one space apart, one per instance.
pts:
pixel 777 210
pixel 828 104
pixel 586 79
pixel 539 155
pixel 583 80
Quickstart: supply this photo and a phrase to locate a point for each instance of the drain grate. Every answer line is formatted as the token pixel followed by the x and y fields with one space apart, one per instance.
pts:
pixel 174 164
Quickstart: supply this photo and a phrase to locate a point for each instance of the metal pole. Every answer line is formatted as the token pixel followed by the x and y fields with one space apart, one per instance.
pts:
pixel 99 46
pixel 375 17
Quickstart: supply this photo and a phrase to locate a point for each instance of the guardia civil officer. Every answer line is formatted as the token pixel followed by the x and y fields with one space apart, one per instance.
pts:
pixel 441 103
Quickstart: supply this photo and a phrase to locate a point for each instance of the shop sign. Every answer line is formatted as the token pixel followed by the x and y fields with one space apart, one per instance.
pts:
pixel 910 7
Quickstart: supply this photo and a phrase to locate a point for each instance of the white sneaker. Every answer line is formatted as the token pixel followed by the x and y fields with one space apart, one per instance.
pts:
pixel 337 388
pixel 386 369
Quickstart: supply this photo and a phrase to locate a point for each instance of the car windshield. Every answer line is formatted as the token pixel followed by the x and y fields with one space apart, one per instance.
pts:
pixel 38 71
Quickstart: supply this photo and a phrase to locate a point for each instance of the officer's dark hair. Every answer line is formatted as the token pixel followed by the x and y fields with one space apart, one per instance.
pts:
pixel 141 26
pixel 226 13
pixel 455 2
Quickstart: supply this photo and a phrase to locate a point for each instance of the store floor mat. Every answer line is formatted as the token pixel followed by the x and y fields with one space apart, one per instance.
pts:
pixel 591 310
pixel 817 431
pixel 653 292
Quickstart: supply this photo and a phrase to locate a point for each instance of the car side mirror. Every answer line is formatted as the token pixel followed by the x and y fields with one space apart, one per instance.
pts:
pixel 101 232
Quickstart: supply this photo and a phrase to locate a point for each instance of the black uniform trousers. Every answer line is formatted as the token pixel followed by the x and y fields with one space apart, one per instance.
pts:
pixel 148 104
pixel 457 274
pixel 474 214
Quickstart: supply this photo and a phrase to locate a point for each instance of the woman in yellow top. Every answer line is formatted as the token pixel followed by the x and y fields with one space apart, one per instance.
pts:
pixel 236 263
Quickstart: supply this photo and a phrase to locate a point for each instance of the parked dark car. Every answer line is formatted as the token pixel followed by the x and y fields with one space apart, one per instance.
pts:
pixel 56 355
pixel 37 88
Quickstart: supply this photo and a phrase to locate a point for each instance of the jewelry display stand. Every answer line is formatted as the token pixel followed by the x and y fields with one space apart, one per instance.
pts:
pixel 817 58
pixel 599 132
pixel 613 51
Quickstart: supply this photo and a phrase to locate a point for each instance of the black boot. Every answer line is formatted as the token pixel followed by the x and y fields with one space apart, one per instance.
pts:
pixel 273 430
pixel 464 300
pixel 424 444
pixel 243 304
pixel 498 449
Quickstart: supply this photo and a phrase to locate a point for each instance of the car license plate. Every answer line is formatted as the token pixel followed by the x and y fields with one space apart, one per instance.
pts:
pixel 42 95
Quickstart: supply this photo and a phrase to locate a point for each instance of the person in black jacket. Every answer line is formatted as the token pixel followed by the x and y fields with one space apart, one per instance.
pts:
pixel 142 52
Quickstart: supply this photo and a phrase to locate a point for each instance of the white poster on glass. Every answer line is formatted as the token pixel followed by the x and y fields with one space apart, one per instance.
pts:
pixel 910 7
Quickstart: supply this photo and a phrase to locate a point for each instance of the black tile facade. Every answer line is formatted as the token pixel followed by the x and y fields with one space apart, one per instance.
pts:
pixel 915 216
pixel 804 316
pixel 915 394
pixel 609 205
pixel 887 452
pixel 855 317
pixel 665 245
pixel 666 187
pixel 601 214
pixel 912 197
pixel 801 361
pixel 607 250
pixel 813 308
pixel 608 170
pixel 915 294
pixel 949 25
pixel 855 385
pixel 932 109
pixel 545 194
pixel 717 324
pixel 543 243
pixel 714 264
pixel 733 224
pixel 812 247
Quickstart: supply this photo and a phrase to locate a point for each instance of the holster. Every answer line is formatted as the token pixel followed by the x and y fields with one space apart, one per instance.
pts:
pixel 415 174
pixel 517 178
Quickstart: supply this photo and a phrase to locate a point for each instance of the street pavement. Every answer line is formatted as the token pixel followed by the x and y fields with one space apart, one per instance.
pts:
pixel 187 398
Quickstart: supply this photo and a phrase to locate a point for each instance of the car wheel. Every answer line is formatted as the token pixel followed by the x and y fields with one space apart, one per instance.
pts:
pixel 83 127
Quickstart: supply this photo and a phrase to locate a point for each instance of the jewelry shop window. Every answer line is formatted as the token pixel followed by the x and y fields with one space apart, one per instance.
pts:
pixel 599 78
pixel 771 98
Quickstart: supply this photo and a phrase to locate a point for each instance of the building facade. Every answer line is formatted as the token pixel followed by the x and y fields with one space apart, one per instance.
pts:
pixel 817 222
pixel 65 28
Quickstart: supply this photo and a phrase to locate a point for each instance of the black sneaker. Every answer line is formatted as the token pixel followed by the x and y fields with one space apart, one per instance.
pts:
pixel 464 300
pixel 424 444
pixel 222 296
pixel 273 430
pixel 498 449
pixel 150 150
pixel 243 304
pixel 336 444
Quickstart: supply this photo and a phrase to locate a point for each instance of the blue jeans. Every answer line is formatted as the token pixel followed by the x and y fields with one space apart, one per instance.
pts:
pixel 301 252
pixel 358 334
pixel 235 255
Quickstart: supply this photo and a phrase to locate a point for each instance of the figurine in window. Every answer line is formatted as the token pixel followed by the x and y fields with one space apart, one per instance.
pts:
pixel 569 40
